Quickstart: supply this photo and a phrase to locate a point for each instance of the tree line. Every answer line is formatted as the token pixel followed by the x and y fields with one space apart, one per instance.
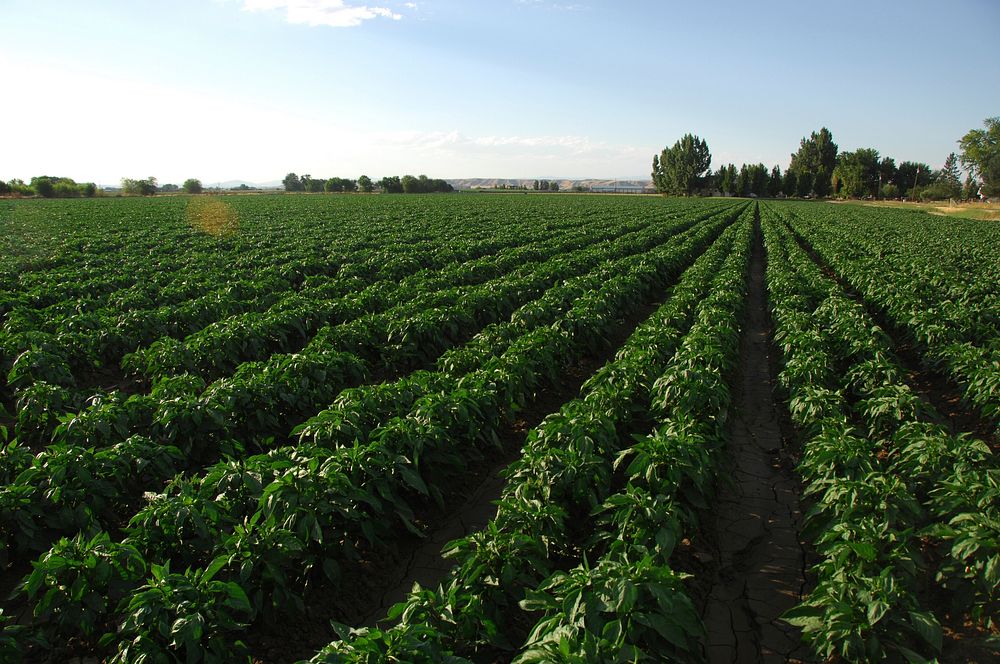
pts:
pixel 48 186
pixel 407 184
pixel 819 169
pixel 60 187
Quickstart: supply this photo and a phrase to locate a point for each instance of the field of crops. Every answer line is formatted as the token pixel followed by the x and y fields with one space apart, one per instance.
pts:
pixel 231 425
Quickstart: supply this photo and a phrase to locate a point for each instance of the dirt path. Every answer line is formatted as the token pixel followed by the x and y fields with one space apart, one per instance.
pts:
pixel 761 561
pixel 424 564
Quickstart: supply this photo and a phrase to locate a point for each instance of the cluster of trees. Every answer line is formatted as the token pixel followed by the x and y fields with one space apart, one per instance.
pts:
pixel 48 186
pixel 308 183
pixel 862 174
pixel 545 185
pixel 819 169
pixel 407 184
pixel 857 174
pixel 146 187
pixel 980 154
pixel 149 187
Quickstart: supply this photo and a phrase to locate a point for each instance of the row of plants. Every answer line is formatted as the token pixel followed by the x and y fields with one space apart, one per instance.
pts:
pixel 624 602
pixel 406 335
pixel 51 373
pixel 560 505
pixel 356 411
pixel 276 310
pixel 896 502
pixel 82 342
pixel 220 348
pixel 936 280
pixel 279 520
pixel 260 401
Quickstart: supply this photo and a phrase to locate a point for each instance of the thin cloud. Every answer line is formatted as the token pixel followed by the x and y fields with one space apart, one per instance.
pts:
pixel 558 6
pixel 454 143
pixel 330 13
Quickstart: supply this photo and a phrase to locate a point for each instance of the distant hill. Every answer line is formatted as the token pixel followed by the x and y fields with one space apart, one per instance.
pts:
pixel 564 184
pixel 229 184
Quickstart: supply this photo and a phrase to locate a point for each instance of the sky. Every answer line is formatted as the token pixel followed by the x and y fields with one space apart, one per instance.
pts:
pixel 223 90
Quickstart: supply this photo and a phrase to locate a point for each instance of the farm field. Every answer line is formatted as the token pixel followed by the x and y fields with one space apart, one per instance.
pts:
pixel 591 428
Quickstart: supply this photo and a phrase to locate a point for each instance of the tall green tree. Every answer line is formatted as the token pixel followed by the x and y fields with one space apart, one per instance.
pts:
pixel 970 191
pixel 950 176
pixel 774 182
pixel 788 183
pixel 312 185
pixel 365 184
pixel 816 157
pixel 292 182
pixel 980 154
pixel 803 184
pixel 911 176
pixel 44 186
pixel 681 169
pixel 391 184
pixel 886 171
pixel 758 179
pixel 726 179
pixel 192 186
pixel 858 173
pixel 742 186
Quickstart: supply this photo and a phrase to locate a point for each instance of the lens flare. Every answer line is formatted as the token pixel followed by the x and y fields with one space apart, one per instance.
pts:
pixel 211 215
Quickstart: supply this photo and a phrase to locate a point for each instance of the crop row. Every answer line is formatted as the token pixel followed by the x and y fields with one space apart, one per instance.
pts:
pixel 895 499
pixel 82 341
pixel 404 334
pixel 260 401
pixel 45 373
pixel 939 287
pixel 626 603
pixel 253 316
pixel 296 513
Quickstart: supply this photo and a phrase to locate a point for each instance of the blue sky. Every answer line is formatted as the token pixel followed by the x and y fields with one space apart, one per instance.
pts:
pixel 253 89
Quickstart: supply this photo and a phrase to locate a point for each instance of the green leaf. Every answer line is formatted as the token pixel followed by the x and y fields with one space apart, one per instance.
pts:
pixel 665 628
pixel 866 551
pixel 413 479
pixel 237 597
pixel 927 626
pixel 214 568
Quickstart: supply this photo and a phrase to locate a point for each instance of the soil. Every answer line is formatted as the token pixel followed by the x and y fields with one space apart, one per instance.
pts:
pixel 758 557
pixel 110 377
pixel 370 588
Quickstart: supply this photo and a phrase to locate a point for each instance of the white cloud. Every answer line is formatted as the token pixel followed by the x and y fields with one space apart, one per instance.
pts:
pixel 575 7
pixel 331 13
pixel 462 154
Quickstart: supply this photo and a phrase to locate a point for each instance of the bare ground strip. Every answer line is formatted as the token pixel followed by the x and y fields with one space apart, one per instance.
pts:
pixel 760 566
